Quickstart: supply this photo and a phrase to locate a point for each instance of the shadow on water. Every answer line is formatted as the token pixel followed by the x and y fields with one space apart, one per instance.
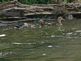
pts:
pixel 3 59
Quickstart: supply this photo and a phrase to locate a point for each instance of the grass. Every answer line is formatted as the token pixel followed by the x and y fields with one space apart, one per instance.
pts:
pixel 35 43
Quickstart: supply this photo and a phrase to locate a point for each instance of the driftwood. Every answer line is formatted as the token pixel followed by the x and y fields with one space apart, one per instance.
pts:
pixel 37 9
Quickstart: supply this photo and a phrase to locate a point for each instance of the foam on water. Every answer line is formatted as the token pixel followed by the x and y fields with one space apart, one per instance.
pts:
pixel 8 53
pixel 57 46
pixel 2 35
pixel 74 28
pixel 69 33
pixel 1 54
pixel 42 42
pixel 29 43
pixel 72 37
pixel 78 31
pixel 16 43
pixel 44 54
pixel 52 35
pixel 50 46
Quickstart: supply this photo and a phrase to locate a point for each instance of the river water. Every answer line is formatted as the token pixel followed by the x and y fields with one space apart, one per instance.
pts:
pixel 64 45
